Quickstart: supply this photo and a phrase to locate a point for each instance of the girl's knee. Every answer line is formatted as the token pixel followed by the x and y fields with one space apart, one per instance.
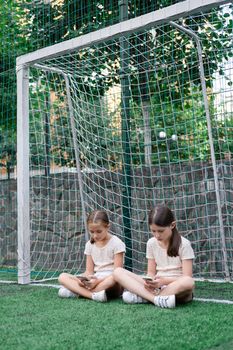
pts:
pixel 110 279
pixel 117 273
pixel 188 282
pixel 62 277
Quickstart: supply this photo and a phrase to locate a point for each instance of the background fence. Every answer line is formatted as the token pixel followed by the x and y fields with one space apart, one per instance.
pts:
pixel 29 26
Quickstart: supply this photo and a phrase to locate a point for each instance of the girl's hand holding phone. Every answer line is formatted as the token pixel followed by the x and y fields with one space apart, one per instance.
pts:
pixel 148 283
pixel 91 283
pixel 147 278
pixel 157 282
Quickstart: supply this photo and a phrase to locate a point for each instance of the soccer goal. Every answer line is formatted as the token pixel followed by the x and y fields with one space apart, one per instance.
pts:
pixel 122 119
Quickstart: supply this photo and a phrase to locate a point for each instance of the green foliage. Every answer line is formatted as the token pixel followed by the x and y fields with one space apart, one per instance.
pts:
pixel 187 120
pixel 223 136
pixel 27 26
pixel 8 149
pixel 57 21
pixel 179 119
pixel 12 44
pixel 13 35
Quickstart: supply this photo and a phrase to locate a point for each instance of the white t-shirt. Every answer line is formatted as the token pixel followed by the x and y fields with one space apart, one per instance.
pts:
pixel 167 265
pixel 103 257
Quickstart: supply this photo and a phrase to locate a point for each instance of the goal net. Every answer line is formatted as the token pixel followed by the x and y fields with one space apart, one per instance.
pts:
pixel 123 119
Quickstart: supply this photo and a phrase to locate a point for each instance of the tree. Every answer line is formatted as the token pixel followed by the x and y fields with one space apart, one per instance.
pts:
pixel 12 43
pixel 163 81
pixel 35 24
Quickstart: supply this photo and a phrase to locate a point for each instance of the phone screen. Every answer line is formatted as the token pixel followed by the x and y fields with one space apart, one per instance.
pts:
pixel 147 278
pixel 83 278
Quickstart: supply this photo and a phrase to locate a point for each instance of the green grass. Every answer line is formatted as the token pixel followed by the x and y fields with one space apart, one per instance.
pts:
pixel 8 274
pixel 35 318
pixel 212 290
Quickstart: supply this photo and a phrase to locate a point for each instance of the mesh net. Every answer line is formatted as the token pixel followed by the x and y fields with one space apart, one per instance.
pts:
pixel 129 114
pixel 27 26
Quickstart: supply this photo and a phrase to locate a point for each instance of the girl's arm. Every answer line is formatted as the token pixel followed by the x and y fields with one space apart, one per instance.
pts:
pixel 151 271
pixel 92 282
pixel 88 272
pixel 89 266
pixel 118 260
pixel 151 267
pixel 187 267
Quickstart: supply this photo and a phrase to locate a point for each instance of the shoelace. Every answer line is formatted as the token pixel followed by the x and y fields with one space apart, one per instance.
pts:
pixel 162 302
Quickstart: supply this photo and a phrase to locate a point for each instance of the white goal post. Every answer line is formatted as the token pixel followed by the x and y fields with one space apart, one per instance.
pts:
pixel 55 83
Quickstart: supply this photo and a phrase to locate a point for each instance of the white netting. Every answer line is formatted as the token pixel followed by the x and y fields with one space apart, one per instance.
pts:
pixel 141 138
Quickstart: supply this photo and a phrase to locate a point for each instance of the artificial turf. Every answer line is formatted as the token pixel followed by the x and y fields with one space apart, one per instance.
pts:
pixel 35 318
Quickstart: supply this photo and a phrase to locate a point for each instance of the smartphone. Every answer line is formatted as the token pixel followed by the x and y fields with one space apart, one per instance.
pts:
pixel 147 278
pixel 82 278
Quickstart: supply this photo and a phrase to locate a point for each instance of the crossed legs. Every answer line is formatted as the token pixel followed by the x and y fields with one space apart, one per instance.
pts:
pixel 182 288
pixel 72 283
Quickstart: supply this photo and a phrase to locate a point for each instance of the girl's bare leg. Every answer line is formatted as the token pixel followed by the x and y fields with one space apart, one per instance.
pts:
pixel 182 288
pixel 109 284
pixel 70 282
pixel 112 288
pixel 133 283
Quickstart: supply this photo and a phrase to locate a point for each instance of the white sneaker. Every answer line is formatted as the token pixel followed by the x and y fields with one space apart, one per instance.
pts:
pixel 165 301
pixel 131 298
pixel 66 293
pixel 99 296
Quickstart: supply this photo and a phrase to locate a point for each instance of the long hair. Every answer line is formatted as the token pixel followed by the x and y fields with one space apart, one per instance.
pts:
pixel 98 216
pixel 163 216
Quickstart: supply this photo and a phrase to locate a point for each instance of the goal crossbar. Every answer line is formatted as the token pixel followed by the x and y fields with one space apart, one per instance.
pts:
pixel 170 13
